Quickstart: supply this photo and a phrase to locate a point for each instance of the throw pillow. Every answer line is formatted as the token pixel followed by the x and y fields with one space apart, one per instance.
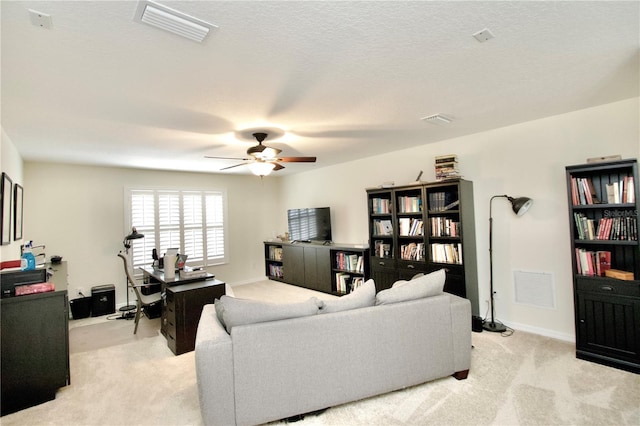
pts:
pixel 425 286
pixel 243 311
pixel 361 297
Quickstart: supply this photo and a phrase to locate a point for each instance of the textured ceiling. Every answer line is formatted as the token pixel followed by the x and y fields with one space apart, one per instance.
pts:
pixel 343 79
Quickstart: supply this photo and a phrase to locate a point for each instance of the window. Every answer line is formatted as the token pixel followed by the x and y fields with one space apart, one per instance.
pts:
pixel 191 220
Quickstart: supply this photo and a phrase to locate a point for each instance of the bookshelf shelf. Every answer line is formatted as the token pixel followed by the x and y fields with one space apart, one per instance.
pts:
pixel 436 210
pixel 607 310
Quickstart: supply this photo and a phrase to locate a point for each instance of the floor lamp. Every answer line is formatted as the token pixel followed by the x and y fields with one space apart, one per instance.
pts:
pixel 134 235
pixel 520 206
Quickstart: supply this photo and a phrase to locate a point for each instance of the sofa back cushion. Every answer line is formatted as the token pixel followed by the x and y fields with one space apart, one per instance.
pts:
pixel 423 286
pixel 235 311
pixel 361 297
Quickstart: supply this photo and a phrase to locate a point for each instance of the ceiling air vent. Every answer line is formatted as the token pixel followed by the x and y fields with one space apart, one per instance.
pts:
pixel 171 20
pixel 437 119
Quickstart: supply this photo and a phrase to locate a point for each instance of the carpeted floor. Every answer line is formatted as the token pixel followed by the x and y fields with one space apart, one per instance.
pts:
pixel 121 379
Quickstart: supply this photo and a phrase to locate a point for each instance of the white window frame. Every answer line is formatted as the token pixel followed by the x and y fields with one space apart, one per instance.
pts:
pixel 140 251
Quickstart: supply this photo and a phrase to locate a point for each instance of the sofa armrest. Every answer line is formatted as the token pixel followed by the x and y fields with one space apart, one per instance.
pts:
pixel 214 370
pixel 461 332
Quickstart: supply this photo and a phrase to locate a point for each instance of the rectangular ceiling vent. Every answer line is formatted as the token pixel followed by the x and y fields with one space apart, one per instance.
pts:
pixel 171 20
pixel 437 119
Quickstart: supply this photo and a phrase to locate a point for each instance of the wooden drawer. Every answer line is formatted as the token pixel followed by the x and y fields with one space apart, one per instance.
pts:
pixel 608 286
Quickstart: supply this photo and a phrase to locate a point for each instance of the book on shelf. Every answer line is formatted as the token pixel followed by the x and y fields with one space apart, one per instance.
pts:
pixel 356 282
pixel 412 251
pixel 446 253
pixel 442 201
pixel 593 263
pixel 409 227
pixel 408 204
pixel 380 206
pixel 382 249
pixel 619 228
pixel 349 262
pixel 342 282
pixel 583 192
pixel 275 253
pixel 621 191
pixel 383 227
pixel 444 227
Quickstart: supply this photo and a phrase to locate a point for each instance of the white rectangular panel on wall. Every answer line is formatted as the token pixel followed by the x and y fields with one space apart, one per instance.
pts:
pixel 534 288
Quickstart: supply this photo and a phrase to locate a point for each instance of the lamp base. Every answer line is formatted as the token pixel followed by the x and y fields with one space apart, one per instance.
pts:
pixel 126 312
pixel 494 326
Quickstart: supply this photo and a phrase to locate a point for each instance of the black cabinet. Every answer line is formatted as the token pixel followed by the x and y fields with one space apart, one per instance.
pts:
pixel 35 349
pixel 603 212
pixel 308 265
pixel 421 228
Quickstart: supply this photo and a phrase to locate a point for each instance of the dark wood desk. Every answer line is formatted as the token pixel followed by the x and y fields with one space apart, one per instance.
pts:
pixel 182 302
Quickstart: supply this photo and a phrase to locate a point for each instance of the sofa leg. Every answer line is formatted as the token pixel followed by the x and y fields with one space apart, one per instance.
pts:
pixel 461 375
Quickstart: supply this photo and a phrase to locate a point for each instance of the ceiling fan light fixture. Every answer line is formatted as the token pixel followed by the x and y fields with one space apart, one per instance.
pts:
pixel 261 168
pixel 171 20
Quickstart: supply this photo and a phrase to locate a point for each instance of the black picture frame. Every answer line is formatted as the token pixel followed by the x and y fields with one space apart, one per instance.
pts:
pixel 18 199
pixel 5 209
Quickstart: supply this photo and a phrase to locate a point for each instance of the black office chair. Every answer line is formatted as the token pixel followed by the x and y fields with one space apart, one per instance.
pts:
pixel 143 300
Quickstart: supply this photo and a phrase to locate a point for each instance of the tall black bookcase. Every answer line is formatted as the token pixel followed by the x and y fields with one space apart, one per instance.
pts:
pixel 421 228
pixel 605 253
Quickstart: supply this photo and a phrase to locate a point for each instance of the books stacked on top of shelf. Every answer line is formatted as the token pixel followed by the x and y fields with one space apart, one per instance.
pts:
pixel 446 253
pixel 349 262
pixel 409 204
pixel 622 227
pixel 593 263
pixel 442 201
pixel 447 167
pixel 410 227
pixel 412 251
pixel 380 206
pixel 275 271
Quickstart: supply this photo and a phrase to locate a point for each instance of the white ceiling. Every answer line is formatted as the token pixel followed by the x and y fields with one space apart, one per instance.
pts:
pixel 344 79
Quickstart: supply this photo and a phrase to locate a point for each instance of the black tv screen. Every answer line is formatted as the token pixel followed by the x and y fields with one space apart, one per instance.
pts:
pixel 312 224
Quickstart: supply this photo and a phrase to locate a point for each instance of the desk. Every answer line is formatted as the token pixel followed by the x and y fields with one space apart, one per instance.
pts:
pixel 182 302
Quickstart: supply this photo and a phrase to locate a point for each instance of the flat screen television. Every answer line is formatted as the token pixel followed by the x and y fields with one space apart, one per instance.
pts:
pixel 311 224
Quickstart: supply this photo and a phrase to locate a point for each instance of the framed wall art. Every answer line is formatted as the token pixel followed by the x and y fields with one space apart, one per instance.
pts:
pixel 5 208
pixel 18 196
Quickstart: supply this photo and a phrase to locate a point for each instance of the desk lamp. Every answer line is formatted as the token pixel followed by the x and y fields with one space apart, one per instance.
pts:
pixel 520 206
pixel 134 235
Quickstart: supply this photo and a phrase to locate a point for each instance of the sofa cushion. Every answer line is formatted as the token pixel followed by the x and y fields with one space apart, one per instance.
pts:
pixel 237 311
pixel 361 297
pixel 427 285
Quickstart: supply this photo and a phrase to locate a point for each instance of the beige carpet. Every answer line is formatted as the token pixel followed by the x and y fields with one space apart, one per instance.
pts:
pixel 121 379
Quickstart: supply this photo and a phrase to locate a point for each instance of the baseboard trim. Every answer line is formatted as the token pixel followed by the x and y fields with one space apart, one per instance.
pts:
pixel 543 332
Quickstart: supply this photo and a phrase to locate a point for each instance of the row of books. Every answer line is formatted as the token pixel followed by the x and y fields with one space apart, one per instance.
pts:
pixel 624 227
pixel 380 206
pixel 383 249
pixel 345 283
pixel 446 167
pixel 408 204
pixel 583 191
pixel 382 227
pixel 275 271
pixel 446 253
pixel 410 227
pixel 275 253
pixel 349 262
pixel 592 263
pixel 444 227
pixel 442 201
pixel 412 251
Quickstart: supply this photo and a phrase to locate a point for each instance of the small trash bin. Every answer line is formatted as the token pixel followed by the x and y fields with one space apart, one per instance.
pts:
pixel 103 300
pixel 80 307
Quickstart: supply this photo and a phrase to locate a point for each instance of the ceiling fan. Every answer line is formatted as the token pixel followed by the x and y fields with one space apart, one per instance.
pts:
pixel 263 159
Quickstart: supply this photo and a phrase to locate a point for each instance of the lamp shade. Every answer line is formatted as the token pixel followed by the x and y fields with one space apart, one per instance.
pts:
pixel 520 205
pixel 261 168
pixel 134 235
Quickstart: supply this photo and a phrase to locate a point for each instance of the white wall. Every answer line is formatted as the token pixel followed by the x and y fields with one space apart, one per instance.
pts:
pixel 11 164
pixel 527 159
pixel 78 213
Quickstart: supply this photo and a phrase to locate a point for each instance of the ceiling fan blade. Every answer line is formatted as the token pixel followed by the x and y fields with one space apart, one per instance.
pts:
pixel 235 165
pixel 228 158
pixel 278 167
pixel 297 159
